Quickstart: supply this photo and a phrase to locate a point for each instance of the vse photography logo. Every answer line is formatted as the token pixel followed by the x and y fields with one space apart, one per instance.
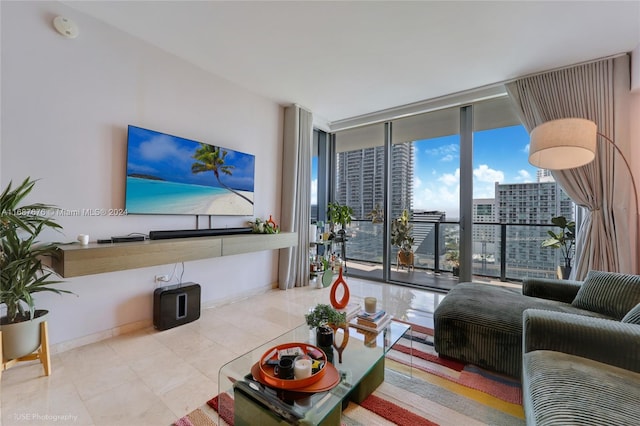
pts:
pixel 48 418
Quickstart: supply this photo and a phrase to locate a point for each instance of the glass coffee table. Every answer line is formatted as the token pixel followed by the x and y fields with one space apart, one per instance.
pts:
pixel 361 371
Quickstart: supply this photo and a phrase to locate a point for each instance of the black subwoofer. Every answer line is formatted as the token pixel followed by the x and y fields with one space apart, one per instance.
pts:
pixel 176 305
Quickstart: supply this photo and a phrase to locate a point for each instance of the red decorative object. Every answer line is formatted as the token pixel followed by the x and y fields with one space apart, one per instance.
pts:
pixel 342 303
pixel 272 222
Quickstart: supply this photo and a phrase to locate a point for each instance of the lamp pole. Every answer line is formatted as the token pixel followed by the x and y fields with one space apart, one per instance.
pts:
pixel 635 194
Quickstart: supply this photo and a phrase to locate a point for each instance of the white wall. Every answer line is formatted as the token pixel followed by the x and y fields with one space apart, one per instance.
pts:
pixel 66 104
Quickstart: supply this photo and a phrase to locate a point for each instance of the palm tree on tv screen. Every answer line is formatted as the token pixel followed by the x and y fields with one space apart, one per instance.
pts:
pixel 211 158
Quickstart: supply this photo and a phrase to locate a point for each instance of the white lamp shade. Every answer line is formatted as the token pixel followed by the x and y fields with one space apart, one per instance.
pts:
pixel 563 144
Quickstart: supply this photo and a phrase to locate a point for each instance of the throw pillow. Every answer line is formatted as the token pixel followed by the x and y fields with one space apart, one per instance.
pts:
pixel 608 293
pixel 633 316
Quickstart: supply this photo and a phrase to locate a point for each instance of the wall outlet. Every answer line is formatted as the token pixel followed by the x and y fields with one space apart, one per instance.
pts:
pixel 162 278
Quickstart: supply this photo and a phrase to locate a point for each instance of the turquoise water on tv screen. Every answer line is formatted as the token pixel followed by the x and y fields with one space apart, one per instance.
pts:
pixel 163 197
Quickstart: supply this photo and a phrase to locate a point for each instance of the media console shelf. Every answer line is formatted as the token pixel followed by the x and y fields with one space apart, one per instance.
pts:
pixel 75 260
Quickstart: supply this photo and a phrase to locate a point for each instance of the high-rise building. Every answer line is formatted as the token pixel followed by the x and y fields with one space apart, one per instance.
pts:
pixel 485 237
pixel 360 179
pixel 544 175
pixel 530 204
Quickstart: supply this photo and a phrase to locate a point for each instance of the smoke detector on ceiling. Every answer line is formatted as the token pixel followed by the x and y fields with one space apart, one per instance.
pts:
pixel 66 27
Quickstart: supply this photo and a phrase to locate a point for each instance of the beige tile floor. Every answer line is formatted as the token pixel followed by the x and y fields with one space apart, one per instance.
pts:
pixel 152 377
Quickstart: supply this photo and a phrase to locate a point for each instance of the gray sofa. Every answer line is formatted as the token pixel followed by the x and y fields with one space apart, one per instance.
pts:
pixel 482 323
pixel 579 370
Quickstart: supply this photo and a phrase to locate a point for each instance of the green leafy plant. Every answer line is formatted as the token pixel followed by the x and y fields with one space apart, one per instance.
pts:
pixel 401 229
pixel 261 226
pixel 453 257
pixel 339 214
pixel 376 214
pixel 22 271
pixel 325 314
pixel 564 240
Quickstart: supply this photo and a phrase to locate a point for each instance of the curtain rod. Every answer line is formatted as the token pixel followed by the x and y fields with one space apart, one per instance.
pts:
pixel 445 101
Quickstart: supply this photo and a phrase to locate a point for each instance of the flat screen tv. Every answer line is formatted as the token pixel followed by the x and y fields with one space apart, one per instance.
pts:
pixel 171 175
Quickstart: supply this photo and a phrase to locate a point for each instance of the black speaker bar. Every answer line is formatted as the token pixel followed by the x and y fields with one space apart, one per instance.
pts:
pixel 188 233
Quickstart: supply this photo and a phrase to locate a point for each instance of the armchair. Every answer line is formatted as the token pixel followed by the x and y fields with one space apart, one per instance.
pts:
pixel 580 370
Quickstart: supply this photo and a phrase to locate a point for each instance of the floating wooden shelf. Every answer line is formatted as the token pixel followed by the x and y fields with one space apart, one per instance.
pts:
pixel 75 260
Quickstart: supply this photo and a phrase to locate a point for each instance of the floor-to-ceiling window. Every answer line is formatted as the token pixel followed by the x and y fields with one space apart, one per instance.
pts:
pixel 359 183
pixel 461 173
pixel 424 180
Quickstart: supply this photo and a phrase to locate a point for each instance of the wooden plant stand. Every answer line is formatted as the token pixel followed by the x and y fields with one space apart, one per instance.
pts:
pixel 42 353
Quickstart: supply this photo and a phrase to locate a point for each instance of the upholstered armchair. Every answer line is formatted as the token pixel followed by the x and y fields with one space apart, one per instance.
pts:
pixel 581 370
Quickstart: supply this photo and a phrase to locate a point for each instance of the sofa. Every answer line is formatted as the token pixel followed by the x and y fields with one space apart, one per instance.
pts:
pixel 482 324
pixel 579 370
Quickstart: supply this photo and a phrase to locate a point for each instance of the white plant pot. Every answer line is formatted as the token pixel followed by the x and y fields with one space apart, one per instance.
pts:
pixel 21 338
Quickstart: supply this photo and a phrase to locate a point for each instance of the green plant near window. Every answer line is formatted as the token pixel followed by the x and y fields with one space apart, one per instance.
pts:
pixel 401 230
pixel 453 257
pixel 376 214
pixel 563 240
pixel 339 214
pixel 323 315
pixel 22 271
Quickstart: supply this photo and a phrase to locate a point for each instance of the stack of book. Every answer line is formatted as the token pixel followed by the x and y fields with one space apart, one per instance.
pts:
pixel 374 322
pixel 351 310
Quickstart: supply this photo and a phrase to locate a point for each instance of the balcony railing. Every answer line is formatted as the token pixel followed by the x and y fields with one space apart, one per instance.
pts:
pixel 504 251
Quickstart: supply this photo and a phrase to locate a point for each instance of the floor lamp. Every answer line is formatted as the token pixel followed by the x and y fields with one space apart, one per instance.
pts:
pixel 571 142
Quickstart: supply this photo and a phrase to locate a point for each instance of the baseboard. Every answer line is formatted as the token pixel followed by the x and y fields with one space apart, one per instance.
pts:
pixel 101 335
pixel 147 323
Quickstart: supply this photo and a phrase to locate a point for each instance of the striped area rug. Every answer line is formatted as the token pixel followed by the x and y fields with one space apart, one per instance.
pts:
pixel 453 388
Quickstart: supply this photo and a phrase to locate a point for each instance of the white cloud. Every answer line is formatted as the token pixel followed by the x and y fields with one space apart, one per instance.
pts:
pixel 439 198
pixel 485 174
pixel 524 176
pixel 417 182
pixel 450 179
pixel 526 149
pixel 484 190
pixel 446 152
pixel 159 148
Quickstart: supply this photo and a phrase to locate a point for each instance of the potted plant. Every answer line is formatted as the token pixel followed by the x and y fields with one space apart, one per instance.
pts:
pixel 564 240
pixel 339 215
pixel 453 258
pixel 401 229
pixel 376 214
pixel 22 271
pixel 320 318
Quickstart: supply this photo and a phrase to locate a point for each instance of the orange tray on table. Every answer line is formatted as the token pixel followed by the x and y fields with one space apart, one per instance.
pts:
pixel 324 379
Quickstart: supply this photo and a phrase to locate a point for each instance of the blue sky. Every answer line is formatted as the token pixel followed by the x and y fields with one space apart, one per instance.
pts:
pixel 499 155
pixel 170 158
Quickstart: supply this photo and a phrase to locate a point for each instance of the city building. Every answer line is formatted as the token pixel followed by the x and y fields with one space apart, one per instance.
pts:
pixel 360 179
pixel 532 204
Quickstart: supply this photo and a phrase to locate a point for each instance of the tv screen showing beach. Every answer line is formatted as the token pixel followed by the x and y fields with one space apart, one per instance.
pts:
pixel 171 175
